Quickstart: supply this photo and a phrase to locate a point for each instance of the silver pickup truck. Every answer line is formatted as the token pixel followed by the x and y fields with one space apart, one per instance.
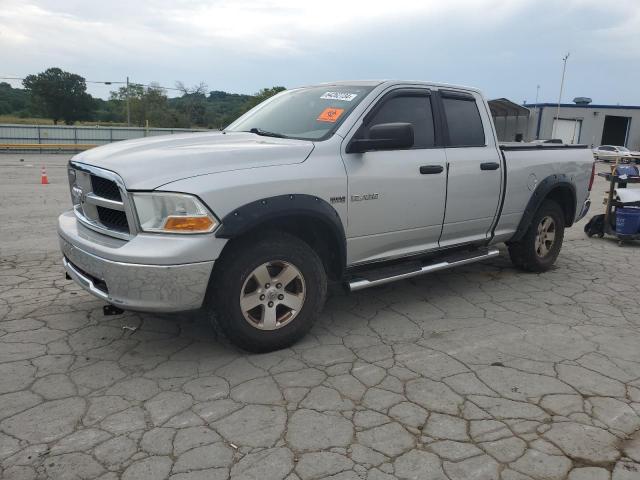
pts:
pixel 358 182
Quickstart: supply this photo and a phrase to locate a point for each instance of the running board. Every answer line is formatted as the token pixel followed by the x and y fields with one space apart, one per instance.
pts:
pixel 415 270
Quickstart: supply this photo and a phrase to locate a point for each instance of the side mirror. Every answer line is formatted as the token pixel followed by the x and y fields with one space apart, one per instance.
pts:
pixel 384 136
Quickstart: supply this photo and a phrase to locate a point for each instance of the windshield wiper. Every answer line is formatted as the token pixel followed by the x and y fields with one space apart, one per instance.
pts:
pixel 265 133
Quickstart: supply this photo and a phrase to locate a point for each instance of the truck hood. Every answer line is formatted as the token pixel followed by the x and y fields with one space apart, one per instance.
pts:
pixel 148 163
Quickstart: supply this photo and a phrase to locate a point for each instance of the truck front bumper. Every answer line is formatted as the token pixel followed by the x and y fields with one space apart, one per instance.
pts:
pixel 149 287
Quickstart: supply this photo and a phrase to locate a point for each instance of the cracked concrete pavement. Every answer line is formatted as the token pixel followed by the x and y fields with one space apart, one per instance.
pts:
pixel 481 372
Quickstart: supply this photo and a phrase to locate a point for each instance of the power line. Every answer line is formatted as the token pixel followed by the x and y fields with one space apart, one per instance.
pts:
pixel 151 85
pixel 108 82
pixel 127 89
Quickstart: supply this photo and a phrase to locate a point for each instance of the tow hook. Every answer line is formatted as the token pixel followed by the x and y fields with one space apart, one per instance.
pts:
pixel 109 310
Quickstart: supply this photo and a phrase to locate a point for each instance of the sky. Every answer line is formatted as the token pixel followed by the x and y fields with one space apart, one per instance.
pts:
pixel 504 47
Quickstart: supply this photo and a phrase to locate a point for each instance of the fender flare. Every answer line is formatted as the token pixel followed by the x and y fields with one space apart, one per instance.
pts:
pixel 253 214
pixel 545 187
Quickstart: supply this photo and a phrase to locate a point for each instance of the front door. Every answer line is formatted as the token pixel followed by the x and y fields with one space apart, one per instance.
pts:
pixel 396 197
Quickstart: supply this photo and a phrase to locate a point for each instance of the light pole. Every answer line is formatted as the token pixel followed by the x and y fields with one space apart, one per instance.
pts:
pixel 536 110
pixel 128 105
pixel 564 69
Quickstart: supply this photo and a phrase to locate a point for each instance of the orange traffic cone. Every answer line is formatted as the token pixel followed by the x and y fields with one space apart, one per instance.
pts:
pixel 44 180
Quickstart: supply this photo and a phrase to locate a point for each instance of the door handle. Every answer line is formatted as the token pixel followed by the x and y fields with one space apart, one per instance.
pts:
pixel 489 166
pixel 431 169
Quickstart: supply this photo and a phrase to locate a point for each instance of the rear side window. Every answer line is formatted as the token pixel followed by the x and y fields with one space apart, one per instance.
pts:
pixel 413 109
pixel 463 122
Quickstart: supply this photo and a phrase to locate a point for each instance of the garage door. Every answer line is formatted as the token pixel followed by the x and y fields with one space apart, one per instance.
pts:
pixel 567 130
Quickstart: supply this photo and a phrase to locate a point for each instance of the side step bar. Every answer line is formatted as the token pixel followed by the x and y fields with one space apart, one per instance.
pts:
pixel 441 263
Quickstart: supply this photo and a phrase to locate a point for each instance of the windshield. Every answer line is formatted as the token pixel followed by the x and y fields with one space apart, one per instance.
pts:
pixel 312 113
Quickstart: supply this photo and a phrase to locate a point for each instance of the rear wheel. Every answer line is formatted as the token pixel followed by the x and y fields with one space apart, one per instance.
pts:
pixel 538 249
pixel 268 292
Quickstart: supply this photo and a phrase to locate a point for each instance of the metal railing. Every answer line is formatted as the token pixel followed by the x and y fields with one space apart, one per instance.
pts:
pixel 63 137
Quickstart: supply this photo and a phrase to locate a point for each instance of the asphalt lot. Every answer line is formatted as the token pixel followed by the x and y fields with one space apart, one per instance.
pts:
pixel 482 372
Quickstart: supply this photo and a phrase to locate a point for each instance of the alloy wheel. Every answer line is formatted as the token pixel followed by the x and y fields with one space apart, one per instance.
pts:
pixel 272 295
pixel 545 237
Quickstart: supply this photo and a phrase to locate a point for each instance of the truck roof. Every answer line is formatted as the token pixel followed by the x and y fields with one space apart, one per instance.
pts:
pixel 375 83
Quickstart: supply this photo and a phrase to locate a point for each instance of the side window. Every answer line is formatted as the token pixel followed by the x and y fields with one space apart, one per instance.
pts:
pixel 463 122
pixel 413 109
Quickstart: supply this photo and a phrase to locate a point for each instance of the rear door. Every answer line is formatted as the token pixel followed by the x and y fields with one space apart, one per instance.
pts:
pixel 474 169
pixel 396 197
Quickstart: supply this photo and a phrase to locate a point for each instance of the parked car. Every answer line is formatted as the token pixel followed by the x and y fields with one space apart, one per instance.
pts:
pixel 357 182
pixel 612 153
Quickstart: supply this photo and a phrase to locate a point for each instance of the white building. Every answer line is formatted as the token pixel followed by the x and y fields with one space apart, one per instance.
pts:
pixel 578 122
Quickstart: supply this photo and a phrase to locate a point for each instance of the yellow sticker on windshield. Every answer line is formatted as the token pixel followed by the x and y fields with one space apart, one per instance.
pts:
pixel 330 114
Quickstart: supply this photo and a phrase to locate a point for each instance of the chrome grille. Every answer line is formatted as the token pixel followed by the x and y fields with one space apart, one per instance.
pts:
pixel 105 188
pixel 114 219
pixel 100 200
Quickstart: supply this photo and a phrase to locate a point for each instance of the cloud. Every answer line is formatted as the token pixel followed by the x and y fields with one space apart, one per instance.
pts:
pixel 503 46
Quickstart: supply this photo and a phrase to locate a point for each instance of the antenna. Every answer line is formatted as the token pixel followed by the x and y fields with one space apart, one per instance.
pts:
pixel 536 111
pixel 564 69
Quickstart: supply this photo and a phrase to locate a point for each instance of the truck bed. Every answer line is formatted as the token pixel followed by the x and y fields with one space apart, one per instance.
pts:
pixel 527 165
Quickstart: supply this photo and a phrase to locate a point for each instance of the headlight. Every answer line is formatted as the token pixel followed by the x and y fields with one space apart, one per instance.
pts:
pixel 173 213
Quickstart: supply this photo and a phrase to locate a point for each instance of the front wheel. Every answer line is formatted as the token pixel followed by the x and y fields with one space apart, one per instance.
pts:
pixel 538 249
pixel 267 292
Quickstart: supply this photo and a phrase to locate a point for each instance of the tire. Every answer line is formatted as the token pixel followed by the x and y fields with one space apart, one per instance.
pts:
pixel 242 276
pixel 533 254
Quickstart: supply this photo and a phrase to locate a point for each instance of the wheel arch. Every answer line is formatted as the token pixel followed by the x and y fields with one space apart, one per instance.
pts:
pixel 307 217
pixel 558 188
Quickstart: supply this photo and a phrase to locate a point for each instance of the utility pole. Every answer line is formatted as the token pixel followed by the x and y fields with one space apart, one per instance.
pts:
pixel 129 106
pixel 536 110
pixel 564 69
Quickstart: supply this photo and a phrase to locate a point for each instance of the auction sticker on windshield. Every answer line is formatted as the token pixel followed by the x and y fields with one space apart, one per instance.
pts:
pixel 344 96
pixel 330 114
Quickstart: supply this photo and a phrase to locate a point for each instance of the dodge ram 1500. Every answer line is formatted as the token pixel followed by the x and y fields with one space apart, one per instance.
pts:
pixel 359 182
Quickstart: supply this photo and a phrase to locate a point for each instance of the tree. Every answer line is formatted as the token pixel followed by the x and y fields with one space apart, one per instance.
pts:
pixel 223 108
pixel 262 95
pixel 193 102
pixel 60 95
pixel 146 103
pixel 13 100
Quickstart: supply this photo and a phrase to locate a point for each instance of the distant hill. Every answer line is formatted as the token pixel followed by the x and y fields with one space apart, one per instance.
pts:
pixel 215 110
pixel 13 101
pixel 220 108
